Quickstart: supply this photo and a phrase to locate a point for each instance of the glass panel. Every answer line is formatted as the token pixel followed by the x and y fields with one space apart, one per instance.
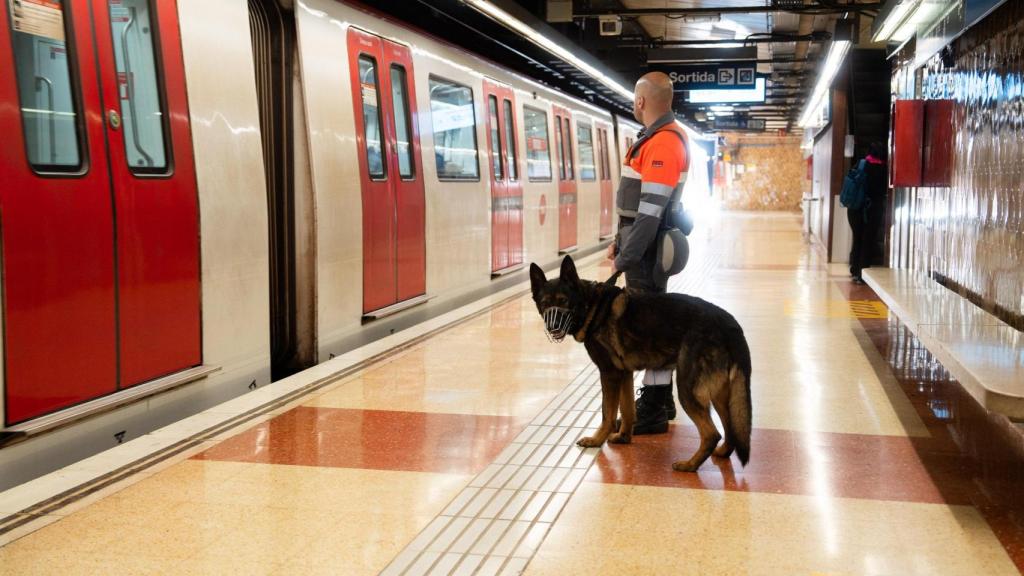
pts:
pixel 492 111
pixel 586 140
pixel 44 86
pixel 142 118
pixel 567 142
pixel 602 152
pixel 538 157
pixel 403 133
pixel 371 116
pixel 451 112
pixel 559 151
pixel 510 142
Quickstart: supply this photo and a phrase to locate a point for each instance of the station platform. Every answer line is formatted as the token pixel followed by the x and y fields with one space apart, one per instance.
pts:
pixel 453 453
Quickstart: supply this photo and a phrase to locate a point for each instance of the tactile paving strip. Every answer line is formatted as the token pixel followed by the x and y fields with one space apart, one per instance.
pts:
pixel 495 525
pixel 497 522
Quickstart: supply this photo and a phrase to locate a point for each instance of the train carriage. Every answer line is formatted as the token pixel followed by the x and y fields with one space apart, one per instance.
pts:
pixel 200 198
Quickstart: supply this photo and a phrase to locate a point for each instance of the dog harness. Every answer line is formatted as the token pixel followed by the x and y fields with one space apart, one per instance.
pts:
pixel 652 183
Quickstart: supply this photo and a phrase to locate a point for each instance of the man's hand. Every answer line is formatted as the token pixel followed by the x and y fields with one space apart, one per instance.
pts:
pixel 610 254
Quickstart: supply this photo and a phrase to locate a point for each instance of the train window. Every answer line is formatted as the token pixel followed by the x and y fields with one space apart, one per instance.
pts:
pixel 585 136
pixel 371 117
pixel 492 111
pixel 559 150
pixel 567 142
pixel 400 102
pixel 48 107
pixel 510 141
pixel 142 114
pixel 454 121
pixel 606 165
pixel 538 157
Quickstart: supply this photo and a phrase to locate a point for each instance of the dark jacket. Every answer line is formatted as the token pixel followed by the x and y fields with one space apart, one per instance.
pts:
pixel 877 182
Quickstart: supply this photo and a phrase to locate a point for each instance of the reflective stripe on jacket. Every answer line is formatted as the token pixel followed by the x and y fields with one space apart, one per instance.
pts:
pixel 652 177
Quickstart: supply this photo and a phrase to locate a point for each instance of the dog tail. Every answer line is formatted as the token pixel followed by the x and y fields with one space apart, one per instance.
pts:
pixel 739 410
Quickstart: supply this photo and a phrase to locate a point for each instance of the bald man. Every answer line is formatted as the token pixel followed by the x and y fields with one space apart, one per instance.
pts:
pixel 652 182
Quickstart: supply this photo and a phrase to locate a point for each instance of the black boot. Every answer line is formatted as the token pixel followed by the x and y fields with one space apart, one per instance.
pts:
pixel 651 416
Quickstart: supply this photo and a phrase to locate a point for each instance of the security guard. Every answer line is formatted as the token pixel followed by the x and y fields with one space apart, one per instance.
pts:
pixel 648 199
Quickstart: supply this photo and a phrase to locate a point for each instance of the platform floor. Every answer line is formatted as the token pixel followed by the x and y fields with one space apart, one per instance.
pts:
pixel 456 455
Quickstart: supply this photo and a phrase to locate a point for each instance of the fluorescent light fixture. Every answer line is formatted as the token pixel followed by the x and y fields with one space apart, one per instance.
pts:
pixel 719 108
pixel 836 54
pixel 548 44
pixel 891 22
pixel 696 18
pixel 923 14
pixel 755 94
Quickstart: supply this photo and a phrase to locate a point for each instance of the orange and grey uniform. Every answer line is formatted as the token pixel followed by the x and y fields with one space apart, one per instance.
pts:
pixel 652 178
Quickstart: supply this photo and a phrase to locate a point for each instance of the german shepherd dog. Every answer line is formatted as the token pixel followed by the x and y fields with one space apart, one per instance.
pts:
pixel 624 331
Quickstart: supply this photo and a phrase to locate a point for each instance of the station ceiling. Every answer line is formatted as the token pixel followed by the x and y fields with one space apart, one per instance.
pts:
pixel 786 38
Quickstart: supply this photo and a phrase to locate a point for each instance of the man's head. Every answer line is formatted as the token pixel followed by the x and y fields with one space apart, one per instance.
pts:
pixel 652 97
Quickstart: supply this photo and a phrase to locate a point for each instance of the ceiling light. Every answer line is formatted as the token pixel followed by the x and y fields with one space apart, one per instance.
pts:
pixel 695 18
pixel 722 108
pixel 548 44
pixel 891 17
pixel 755 94
pixel 924 13
pixel 836 54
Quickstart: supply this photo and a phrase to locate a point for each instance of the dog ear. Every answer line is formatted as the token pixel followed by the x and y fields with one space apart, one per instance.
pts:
pixel 537 279
pixel 568 273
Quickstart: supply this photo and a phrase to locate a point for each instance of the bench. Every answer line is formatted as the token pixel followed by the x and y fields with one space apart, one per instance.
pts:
pixel 984 353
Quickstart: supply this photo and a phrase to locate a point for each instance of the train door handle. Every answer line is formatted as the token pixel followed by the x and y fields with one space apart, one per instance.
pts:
pixel 113 119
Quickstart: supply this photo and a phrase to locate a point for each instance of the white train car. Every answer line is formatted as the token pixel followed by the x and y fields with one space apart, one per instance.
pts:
pixel 186 219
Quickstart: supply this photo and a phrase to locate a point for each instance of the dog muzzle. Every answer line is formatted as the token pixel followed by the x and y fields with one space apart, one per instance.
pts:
pixel 556 323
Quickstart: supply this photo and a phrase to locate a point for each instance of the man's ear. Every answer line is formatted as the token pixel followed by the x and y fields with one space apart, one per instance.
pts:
pixel 568 273
pixel 537 279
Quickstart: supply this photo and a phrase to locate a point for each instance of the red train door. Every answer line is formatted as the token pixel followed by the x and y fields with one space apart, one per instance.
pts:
pixel 605 173
pixel 394 244
pixel 157 211
pixel 506 186
pixel 68 315
pixel 57 218
pixel 566 180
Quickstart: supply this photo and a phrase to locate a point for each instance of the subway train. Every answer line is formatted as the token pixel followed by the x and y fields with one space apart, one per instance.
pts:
pixel 198 198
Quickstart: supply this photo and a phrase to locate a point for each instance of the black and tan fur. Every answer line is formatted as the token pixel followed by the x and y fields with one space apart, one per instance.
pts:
pixel 625 331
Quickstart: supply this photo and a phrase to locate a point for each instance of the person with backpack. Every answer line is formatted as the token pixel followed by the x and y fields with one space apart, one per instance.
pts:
pixel 863 195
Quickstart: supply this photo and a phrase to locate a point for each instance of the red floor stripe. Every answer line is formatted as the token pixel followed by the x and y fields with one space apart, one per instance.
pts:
pixel 373 439
pixel 782 462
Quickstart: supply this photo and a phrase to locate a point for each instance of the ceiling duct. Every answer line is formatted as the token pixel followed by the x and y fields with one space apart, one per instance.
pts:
pixel 699 55
pixel 559 11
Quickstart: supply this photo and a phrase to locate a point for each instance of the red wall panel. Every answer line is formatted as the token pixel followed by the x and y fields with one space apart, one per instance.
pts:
pixel 938 143
pixel 908 135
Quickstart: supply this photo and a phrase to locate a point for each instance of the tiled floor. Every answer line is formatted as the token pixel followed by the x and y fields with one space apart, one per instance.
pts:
pixel 457 456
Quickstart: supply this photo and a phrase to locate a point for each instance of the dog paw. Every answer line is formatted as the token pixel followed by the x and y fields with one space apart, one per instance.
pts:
pixel 588 442
pixel 685 466
pixel 620 439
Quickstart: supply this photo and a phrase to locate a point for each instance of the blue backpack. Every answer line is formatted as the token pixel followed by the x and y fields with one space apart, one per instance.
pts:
pixel 855 184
